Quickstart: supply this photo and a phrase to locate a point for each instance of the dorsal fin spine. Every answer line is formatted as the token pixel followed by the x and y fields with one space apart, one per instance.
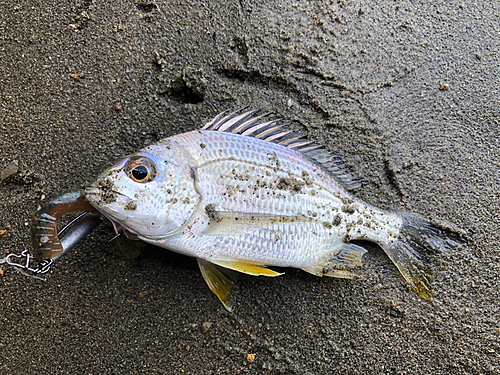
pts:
pixel 288 141
pixel 215 120
pixel 226 126
pixel 279 135
pixel 221 119
pixel 251 131
pixel 248 124
pixel 268 132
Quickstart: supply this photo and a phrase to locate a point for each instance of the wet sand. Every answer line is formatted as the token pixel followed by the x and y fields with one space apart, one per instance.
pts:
pixel 406 91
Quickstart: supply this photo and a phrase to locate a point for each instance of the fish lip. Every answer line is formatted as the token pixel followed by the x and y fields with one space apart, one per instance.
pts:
pixel 94 195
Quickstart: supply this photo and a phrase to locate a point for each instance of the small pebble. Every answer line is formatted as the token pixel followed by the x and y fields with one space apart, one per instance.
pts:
pixel 143 294
pixel 10 170
pixel 251 358
pixel 1 273
pixel 3 233
pixel 205 326
pixel 443 86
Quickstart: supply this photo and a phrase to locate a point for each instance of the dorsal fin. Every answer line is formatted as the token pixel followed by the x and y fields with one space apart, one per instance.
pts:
pixel 251 125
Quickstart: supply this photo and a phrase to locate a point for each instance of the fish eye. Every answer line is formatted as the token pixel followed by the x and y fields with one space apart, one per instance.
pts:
pixel 140 173
pixel 141 169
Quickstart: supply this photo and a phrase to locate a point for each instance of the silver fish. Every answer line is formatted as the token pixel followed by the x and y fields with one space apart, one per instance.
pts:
pixel 243 193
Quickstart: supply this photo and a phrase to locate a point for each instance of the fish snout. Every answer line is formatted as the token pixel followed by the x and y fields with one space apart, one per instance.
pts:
pixel 104 196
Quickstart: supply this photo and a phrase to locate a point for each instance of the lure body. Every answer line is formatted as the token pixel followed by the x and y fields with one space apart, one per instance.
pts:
pixel 44 236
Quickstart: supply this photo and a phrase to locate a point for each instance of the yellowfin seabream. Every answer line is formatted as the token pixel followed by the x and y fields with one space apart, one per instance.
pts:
pixel 242 194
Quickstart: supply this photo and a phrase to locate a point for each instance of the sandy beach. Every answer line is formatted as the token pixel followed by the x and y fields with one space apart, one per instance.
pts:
pixel 407 92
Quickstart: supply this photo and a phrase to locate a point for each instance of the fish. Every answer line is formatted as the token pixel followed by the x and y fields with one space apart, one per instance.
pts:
pixel 243 194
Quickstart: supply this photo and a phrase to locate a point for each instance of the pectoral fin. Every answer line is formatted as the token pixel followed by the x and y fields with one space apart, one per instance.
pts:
pixel 220 282
pixel 130 248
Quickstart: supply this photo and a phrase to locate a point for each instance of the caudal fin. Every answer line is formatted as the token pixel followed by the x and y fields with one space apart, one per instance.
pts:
pixel 418 242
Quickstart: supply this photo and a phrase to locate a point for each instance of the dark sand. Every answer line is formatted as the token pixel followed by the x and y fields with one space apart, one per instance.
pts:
pixel 407 91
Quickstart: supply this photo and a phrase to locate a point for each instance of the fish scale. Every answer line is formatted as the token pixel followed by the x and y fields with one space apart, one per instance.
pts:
pixel 242 194
pixel 326 203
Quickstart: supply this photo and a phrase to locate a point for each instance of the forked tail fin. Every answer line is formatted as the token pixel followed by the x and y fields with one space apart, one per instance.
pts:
pixel 414 249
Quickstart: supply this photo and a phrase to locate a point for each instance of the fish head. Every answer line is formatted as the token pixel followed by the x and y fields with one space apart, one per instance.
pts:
pixel 145 195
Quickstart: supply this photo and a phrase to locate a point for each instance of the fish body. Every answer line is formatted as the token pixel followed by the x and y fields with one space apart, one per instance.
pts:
pixel 243 194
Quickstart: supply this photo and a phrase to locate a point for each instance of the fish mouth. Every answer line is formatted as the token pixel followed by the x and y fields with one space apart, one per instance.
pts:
pixel 101 196
pixel 92 194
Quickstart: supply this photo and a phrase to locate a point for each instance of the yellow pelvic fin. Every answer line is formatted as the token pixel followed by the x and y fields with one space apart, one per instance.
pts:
pixel 220 282
pixel 249 268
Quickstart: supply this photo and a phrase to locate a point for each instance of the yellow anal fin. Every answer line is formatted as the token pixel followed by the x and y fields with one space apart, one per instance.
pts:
pixel 341 264
pixel 220 282
pixel 249 268
pixel 341 274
